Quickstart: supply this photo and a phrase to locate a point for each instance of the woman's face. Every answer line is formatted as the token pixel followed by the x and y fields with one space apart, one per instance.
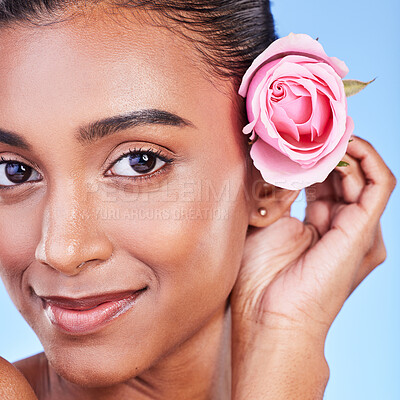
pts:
pixel 173 222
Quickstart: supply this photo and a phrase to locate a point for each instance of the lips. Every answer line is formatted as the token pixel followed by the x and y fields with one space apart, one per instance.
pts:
pixel 86 315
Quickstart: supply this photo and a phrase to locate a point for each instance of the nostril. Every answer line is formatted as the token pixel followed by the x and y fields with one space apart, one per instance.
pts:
pixel 81 264
pixel 69 249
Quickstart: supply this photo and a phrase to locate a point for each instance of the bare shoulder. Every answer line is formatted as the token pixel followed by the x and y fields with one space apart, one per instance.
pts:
pixel 13 384
pixel 34 369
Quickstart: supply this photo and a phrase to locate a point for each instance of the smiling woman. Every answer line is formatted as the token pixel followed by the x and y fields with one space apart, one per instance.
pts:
pixel 142 246
pixel 116 119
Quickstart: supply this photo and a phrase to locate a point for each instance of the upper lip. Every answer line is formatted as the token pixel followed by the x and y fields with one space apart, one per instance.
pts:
pixel 87 302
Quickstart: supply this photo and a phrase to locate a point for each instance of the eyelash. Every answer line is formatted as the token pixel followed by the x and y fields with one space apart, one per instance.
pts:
pixel 150 152
pixel 157 153
pixel 11 187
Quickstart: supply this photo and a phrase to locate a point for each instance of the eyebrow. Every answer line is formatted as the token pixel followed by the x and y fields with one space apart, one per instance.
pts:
pixel 13 139
pixel 99 129
pixel 105 127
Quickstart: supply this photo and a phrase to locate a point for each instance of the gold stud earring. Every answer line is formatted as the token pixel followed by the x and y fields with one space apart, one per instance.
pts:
pixel 262 211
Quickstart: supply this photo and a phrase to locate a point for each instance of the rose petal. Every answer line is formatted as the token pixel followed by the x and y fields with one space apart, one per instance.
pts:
pixel 339 121
pixel 298 89
pixel 283 123
pixel 299 110
pixel 301 44
pixel 280 171
pixel 253 105
pixel 328 139
pixel 303 146
pixel 322 113
pixel 287 70
pixel 328 76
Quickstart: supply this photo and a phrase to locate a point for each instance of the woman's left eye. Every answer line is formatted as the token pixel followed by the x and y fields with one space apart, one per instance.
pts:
pixel 137 164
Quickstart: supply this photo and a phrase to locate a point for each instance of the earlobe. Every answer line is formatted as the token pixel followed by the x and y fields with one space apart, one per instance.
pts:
pixel 270 203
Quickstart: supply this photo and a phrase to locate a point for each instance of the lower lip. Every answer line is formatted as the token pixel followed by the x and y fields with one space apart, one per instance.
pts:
pixel 88 321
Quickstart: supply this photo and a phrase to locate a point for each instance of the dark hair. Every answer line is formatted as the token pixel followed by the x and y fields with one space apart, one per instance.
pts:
pixel 228 33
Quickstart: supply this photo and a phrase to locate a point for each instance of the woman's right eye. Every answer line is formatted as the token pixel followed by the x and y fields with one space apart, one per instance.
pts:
pixel 13 173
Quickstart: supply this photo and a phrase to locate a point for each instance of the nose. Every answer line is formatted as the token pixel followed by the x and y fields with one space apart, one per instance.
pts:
pixel 71 236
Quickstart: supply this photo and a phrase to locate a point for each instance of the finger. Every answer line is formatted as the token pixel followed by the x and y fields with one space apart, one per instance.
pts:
pixel 315 235
pixel 380 180
pixel 322 200
pixel 342 184
pixel 318 213
pixel 322 190
pixel 350 180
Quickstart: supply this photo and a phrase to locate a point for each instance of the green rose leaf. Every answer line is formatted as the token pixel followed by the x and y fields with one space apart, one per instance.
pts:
pixel 352 86
pixel 343 164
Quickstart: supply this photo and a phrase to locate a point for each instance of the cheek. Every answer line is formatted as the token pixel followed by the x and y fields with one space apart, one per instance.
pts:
pixel 190 232
pixel 192 242
pixel 20 225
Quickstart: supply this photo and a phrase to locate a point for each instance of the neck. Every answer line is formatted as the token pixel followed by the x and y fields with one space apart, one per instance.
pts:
pixel 200 369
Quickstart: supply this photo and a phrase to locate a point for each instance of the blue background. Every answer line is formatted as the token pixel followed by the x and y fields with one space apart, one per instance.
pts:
pixel 363 346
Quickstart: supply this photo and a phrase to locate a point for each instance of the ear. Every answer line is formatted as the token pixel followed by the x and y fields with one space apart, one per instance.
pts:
pixel 269 203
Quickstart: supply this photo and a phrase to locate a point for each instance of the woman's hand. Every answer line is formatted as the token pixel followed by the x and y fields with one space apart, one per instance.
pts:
pixel 295 276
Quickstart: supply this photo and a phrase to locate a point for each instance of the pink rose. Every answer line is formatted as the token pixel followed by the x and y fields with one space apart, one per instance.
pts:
pixel 296 104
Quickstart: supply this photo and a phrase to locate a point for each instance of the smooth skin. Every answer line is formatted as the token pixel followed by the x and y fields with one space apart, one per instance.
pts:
pixel 176 342
pixel 13 385
pixel 176 339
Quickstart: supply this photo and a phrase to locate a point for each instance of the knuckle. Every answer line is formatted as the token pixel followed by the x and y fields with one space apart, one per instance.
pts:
pixel 391 180
pixel 381 255
pixel 367 144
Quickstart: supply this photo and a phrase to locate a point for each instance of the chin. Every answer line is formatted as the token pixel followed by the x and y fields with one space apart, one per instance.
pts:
pixel 85 369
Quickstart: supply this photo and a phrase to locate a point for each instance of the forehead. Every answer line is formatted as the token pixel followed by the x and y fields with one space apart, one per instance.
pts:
pixel 95 62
